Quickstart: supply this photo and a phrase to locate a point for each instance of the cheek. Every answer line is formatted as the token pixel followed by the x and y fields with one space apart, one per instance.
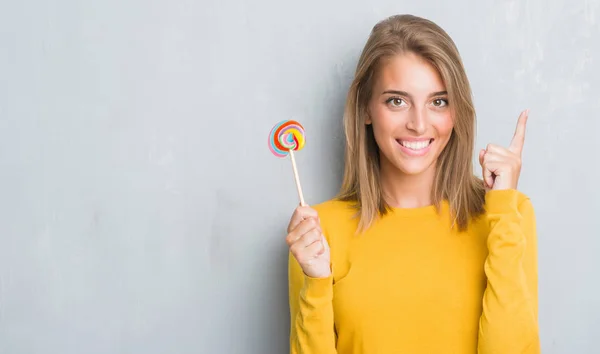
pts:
pixel 382 119
pixel 444 125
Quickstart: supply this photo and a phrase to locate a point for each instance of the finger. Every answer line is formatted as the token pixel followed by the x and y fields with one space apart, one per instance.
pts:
pixel 324 240
pixel 497 168
pixel 501 162
pixel 481 154
pixel 497 157
pixel 303 227
pixel 487 175
pixel 315 250
pixel 324 243
pixel 499 150
pixel 303 252
pixel 309 238
pixel 518 140
pixel 301 213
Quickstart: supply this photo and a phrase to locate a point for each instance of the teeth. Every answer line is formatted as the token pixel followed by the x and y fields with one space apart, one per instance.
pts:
pixel 415 145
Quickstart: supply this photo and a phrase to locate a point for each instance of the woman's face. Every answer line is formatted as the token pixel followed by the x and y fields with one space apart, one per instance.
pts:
pixel 410 115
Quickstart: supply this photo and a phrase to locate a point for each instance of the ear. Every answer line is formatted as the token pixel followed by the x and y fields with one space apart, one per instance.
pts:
pixel 368 120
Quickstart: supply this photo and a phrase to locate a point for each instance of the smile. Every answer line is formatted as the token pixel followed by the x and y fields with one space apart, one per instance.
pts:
pixel 415 145
pixel 415 148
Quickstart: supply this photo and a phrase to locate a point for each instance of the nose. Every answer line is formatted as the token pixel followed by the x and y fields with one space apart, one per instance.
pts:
pixel 417 121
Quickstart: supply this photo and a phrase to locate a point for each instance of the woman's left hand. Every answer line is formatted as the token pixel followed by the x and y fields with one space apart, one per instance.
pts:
pixel 502 167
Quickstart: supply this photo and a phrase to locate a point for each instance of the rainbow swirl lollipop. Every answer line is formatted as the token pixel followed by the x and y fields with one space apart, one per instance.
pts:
pixel 285 136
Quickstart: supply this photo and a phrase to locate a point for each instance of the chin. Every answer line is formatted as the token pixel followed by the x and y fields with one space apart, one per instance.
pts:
pixel 413 169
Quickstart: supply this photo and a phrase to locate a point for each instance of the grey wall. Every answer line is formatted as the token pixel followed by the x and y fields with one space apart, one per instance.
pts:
pixel 142 212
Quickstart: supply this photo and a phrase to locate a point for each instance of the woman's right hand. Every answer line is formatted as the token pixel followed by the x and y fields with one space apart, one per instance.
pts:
pixel 308 244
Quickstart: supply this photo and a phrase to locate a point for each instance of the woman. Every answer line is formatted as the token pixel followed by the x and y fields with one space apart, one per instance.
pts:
pixel 416 254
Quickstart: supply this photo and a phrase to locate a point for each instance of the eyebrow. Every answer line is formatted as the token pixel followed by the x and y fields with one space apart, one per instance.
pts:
pixel 404 93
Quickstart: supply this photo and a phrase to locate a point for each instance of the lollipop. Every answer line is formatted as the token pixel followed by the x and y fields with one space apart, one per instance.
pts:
pixel 285 137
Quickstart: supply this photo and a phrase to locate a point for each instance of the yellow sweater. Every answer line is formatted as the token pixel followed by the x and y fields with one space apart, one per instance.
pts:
pixel 412 284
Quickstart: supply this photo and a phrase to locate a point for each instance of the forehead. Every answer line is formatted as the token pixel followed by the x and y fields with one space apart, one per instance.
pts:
pixel 408 72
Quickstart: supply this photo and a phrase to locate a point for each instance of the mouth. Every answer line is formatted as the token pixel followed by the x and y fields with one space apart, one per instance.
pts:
pixel 415 147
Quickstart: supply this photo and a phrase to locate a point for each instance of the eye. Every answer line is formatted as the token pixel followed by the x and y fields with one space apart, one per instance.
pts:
pixel 395 101
pixel 440 102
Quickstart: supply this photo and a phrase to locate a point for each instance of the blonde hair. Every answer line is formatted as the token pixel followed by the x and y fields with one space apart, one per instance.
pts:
pixel 454 179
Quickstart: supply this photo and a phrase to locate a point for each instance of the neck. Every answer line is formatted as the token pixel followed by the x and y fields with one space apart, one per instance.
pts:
pixel 401 190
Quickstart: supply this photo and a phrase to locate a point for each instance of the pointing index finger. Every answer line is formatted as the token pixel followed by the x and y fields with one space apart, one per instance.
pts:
pixel 518 140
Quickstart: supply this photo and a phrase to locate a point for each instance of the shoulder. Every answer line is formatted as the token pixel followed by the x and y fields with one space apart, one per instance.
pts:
pixel 335 214
pixel 334 208
pixel 338 219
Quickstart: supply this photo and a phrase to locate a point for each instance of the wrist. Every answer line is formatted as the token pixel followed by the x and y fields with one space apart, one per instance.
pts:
pixel 500 201
pixel 319 273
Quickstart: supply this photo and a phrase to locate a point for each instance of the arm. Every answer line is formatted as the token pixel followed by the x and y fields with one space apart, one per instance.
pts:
pixel 509 322
pixel 311 312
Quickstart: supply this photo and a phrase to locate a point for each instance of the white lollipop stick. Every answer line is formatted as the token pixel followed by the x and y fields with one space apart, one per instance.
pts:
pixel 297 178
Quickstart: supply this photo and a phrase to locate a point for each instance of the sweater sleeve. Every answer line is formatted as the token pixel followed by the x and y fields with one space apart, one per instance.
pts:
pixel 311 312
pixel 509 322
